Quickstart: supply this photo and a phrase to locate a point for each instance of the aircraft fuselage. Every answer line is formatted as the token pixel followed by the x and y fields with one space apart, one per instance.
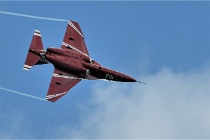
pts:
pixel 81 65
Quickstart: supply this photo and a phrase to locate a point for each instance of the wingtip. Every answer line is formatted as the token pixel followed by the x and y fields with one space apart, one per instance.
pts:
pixel 49 100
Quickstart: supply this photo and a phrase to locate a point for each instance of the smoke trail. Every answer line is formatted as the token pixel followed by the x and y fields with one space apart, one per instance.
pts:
pixel 30 16
pixel 20 93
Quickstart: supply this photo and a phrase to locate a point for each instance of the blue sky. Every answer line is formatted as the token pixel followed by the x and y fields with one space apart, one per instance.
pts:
pixel 165 44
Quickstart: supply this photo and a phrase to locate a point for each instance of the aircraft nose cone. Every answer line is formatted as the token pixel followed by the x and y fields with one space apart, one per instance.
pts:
pixel 126 78
pixel 129 79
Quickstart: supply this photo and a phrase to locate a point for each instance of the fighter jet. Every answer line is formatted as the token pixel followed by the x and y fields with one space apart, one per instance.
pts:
pixel 72 62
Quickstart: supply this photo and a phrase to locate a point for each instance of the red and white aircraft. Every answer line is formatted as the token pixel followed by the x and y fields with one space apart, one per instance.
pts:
pixel 72 62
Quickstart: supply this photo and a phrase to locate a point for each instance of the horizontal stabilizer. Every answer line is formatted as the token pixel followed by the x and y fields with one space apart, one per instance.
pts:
pixel 36 46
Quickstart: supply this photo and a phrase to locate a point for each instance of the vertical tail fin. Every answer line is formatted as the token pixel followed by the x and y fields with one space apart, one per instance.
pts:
pixel 35 52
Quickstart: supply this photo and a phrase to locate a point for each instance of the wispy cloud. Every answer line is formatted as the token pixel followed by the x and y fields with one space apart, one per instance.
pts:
pixel 173 105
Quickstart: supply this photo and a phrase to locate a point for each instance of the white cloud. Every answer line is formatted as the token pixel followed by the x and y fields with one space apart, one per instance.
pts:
pixel 13 128
pixel 172 105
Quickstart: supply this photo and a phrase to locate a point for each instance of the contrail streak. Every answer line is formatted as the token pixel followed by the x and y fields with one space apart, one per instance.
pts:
pixel 20 93
pixel 30 16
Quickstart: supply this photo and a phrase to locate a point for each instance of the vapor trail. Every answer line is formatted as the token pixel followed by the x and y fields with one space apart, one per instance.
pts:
pixel 30 16
pixel 20 93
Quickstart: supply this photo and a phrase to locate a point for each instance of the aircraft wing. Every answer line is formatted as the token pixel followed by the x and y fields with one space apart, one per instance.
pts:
pixel 60 84
pixel 74 38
